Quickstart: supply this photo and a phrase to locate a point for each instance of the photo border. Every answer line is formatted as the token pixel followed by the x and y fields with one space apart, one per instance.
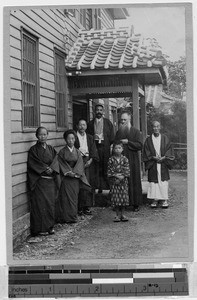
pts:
pixel 190 142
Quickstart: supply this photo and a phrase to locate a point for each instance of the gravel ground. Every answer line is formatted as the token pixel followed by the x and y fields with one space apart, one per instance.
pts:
pixel 149 234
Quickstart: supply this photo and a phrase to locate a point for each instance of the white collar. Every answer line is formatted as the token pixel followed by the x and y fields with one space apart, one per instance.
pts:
pixel 71 149
pixel 80 135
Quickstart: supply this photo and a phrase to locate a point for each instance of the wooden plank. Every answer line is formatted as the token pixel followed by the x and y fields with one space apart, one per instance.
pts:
pixel 16 115
pixel 16 43
pixel 49 126
pixel 21 147
pixel 15 73
pixel 46 93
pixel 50 17
pixel 39 26
pixel 16 126
pixel 46 50
pixel 15 63
pixel 48 85
pixel 16 105
pixel 20 137
pixel 47 110
pixel 20 211
pixel 48 102
pixel 19 158
pixel 19 169
pixel 16 53
pixel 19 189
pixel 15 32
pixel 47 76
pixel 45 66
pixel 58 142
pixel 19 200
pixel 143 118
pixel 15 95
pixel 135 99
pixel 15 84
pixel 48 118
pixel 19 178
pixel 46 58
pixel 47 22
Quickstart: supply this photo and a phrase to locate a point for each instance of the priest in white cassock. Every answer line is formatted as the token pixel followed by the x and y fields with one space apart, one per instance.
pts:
pixel 87 147
pixel 158 159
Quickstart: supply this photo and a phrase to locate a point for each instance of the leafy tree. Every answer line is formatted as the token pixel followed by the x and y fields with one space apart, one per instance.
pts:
pixel 176 85
pixel 174 126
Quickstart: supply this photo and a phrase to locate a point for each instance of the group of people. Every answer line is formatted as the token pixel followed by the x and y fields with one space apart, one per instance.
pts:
pixel 62 185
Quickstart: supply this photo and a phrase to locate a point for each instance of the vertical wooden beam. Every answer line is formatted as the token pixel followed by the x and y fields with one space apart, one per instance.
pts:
pixel 143 124
pixel 136 116
pixel 143 118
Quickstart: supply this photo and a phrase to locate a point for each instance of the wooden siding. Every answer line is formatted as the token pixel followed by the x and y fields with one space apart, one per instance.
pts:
pixel 53 30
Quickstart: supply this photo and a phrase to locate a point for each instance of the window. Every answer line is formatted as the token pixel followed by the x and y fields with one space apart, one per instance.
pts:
pixel 97 18
pixel 60 89
pixel 82 17
pixel 30 87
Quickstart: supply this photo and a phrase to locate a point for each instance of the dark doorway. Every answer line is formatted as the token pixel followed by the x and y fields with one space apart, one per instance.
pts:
pixel 80 110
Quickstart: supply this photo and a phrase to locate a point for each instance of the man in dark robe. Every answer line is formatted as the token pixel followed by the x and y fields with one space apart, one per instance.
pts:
pixel 42 170
pixel 158 159
pixel 103 132
pixel 132 142
pixel 89 153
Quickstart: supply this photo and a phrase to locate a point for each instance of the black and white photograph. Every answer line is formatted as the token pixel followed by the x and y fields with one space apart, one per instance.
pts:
pixel 99 139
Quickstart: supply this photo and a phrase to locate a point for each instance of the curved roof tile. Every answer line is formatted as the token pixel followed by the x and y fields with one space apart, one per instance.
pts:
pixel 114 48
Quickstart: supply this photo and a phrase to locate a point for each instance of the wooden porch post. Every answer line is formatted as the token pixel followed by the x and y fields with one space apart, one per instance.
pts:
pixel 143 125
pixel 136 117
pixel 143 118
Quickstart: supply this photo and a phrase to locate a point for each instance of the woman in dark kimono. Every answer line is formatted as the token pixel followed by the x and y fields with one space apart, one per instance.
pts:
pixel 73 178
pixel 42 168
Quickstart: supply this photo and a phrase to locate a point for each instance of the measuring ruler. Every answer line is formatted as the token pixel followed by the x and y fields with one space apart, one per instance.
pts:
pixel 65 281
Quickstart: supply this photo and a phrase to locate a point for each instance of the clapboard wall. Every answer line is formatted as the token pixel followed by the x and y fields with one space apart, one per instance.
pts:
pixel 54 30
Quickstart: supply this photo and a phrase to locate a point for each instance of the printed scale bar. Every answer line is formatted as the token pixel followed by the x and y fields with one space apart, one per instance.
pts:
pixel 96 269
pixel 98 290
pixel 97 278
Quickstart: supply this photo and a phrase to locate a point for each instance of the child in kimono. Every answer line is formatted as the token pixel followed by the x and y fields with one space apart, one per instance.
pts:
pixel 118 172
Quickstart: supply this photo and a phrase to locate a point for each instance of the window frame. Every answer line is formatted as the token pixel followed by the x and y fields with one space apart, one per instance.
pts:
pixel 59 53
pixel 26 34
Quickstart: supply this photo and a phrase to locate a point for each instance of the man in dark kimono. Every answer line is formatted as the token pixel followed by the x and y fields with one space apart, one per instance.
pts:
pixel 103 133
pixel 158 159
pixel 131 139
pixel 89 154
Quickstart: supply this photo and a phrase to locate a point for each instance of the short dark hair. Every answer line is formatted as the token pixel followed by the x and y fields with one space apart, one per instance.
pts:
pixel 117 142
pixel 81 119
pixel 69 131
pixel 38 130
pixel 101 105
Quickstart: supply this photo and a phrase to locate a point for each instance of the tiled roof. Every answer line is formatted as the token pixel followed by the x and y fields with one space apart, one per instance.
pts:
pixel 114 49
